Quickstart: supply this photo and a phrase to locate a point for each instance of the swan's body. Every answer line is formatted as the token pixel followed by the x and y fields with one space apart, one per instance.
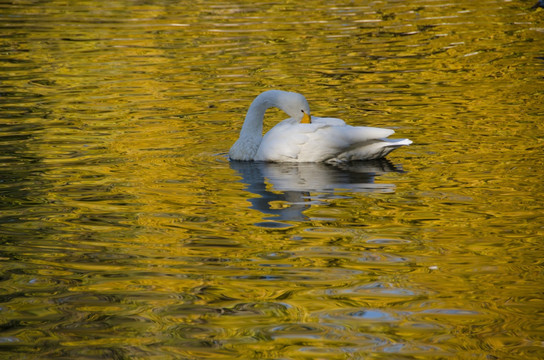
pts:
pixel 302 138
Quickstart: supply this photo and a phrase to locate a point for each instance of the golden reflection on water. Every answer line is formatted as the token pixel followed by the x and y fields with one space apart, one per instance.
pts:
pixel 126 233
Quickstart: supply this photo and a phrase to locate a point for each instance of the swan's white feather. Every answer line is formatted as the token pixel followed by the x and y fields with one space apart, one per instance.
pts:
pixel 322 140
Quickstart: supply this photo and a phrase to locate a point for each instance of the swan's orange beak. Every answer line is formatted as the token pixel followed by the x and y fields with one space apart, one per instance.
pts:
pixel 306 119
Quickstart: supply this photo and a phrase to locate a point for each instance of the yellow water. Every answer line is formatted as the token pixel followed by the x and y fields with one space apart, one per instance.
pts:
pixel 126 233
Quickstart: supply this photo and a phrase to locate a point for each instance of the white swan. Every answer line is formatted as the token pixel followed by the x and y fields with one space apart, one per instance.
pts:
pixel 303 138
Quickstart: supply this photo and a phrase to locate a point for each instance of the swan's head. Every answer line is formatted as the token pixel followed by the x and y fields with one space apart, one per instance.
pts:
pixel 293 104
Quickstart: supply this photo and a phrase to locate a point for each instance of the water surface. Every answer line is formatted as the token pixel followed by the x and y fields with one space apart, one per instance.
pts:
pixel 126 233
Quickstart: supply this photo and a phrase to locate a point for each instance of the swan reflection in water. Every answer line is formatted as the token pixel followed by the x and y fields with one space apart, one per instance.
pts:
pixel 286 190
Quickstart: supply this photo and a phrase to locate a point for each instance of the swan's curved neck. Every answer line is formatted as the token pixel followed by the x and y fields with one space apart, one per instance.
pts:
pixel 253 123
pixel 251 135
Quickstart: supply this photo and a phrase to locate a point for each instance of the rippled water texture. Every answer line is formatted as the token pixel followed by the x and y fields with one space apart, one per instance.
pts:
pixel 127 234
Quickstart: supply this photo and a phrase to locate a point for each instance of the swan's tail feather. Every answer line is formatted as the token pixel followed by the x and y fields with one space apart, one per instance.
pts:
pixel 371 150
pixel 398 142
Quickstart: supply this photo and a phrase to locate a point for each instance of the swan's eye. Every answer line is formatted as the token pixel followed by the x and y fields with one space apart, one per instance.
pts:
pixel 302 111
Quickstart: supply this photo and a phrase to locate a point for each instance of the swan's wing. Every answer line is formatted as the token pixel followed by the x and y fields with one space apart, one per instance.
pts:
pixel 330 141
pixel 285 141
pixel 351 134
pixel 324 139
pixel 328 121
pixel 346 143
pixel 357 134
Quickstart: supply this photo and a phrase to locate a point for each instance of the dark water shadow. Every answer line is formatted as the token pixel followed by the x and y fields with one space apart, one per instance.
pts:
pixel 286 190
